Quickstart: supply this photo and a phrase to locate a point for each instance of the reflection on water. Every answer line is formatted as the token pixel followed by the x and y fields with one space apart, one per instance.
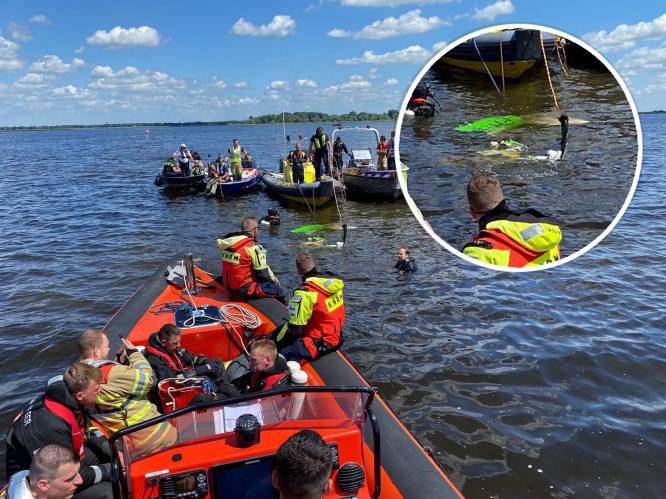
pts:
pixel 583 192
pixel 533 385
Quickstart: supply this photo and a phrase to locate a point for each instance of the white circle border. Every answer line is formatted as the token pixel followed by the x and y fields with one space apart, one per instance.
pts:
pixel 417 213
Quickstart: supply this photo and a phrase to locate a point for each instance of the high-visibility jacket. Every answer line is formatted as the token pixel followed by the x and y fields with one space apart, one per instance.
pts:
pixel 511 239
pixel 123 401
pixel 244 263
pixel 319 142
pixel 235 154
pixel 318 306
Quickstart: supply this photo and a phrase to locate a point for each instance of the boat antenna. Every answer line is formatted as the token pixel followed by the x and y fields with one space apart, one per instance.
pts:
pixel 564 122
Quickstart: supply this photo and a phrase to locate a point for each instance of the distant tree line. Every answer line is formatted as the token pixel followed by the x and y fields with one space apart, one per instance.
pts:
pixel 299 117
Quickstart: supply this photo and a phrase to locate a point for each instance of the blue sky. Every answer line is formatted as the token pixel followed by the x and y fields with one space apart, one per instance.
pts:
pixel 84 62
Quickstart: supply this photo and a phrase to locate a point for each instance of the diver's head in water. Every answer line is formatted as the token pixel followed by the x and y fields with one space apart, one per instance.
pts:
pixel 483 194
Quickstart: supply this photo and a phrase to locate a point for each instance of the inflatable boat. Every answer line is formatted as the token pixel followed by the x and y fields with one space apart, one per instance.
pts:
pixel 374 455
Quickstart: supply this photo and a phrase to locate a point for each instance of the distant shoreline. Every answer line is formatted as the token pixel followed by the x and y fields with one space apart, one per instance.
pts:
pixel 268 119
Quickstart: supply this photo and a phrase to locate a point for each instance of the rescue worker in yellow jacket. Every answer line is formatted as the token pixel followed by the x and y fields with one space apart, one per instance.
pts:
pixel 123 398
pixel 245 271
pixel 236 153
pixel 317 314
pixel 508 238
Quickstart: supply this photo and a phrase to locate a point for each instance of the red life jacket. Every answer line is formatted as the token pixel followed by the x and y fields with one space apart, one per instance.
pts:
pixel 238 276
pixel 77 425
pixel 175 364
pixel 382 148
pixel 324 329
pixel 265 383
pixel 519 256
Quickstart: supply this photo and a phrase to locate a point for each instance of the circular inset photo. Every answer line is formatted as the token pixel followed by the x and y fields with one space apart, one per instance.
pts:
pixel 523 146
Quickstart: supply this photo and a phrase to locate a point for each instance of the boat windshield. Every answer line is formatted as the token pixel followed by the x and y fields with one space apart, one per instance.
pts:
pixel 281 411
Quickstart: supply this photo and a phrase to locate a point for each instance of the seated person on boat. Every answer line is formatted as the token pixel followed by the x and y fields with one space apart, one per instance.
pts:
pixel 268 369
pixel 53 474
pixel 60 416
pixel 303 466
pixel 198 167
pixel 317 314
pixel 125 388
pixel 169 360
pixel 218 172
pixel 183 158
pixel 170 166
pixel 245 270
pixel 298 158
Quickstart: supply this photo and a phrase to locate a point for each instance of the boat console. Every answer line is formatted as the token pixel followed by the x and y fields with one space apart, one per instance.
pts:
pixel 226 448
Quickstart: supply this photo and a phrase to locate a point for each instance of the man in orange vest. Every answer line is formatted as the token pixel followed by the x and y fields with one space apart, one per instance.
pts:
pixel 245 271
pixel 508 238
pixel 59 416
pixel 317 314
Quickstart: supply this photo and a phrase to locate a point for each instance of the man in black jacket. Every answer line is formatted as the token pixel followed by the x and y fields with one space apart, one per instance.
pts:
pixel 169 360
pixel 59 417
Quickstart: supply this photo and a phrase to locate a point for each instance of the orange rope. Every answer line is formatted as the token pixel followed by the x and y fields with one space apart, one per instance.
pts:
pixel 545 60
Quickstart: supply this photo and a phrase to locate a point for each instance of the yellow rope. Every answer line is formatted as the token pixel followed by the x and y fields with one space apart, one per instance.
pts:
pixel 545 60
pixel 563 63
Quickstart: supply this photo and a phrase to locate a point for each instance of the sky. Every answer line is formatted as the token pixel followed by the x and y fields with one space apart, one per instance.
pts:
pixel 92 62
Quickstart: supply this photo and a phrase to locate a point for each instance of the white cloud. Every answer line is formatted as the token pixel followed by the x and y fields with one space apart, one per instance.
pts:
pixel 218 84
pixel 279 26
pixel 490 12
pixel 143 36
pixel 8 55
pixel 55 65
pixel 408 23
pixel 438 46
pixel 306 83
pixel 373 74
pixel 391 82
pixel 79 50
pixel 40 19
pixel 642 59
pixel 278 84
pixel 19 32
pixel 355 82
pixel 625 36
pixel 389 3
pixel 241 84
pixel 70 91
pixel 414 54
pixel 130 79
pixel 32 80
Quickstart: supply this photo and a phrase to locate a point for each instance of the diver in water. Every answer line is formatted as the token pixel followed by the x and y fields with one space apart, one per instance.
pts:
pixel 273 217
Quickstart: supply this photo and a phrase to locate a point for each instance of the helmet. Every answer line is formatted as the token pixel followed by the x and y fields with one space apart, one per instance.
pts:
pixel 273 212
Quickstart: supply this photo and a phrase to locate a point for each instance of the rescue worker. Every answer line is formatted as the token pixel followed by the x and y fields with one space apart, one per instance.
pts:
pixel 319 152
pixel 508 238
pixel 339 147
pixel 268 369
pixel 123 397
pixel 298 158
pixel 244 268
pixel 59 416
pixel 317 314
pixel 169 360
pixel 235 154
pixel 382 152
pixel 53 474
pixel 272 218
pixel 303 466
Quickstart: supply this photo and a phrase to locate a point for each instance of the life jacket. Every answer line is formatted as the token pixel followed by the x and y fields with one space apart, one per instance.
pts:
pixel 173 361
pixel 294 157
pixel 236 154
pixel 516 244
pixel 323 331
pixel 319 143
pixel 237 264
pixel 382 148
pixel 77 424
pixel 263 381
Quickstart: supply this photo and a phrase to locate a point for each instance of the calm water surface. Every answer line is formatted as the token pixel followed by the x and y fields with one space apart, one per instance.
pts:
pixel 551 384
pixel 583 192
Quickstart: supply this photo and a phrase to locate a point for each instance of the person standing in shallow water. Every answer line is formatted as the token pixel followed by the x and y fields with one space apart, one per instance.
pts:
pixel 405 263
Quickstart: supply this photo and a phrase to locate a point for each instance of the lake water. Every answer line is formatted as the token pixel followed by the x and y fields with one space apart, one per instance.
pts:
pixel 547 384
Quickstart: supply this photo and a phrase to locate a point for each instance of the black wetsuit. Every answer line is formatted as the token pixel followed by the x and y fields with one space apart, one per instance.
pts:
pixel 406 265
